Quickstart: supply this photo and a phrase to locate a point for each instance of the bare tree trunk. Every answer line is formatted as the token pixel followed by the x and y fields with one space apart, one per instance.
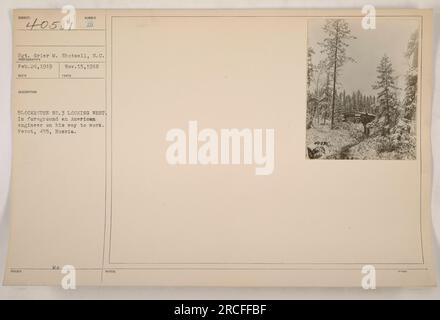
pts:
pixel 334 78
pixel 312 117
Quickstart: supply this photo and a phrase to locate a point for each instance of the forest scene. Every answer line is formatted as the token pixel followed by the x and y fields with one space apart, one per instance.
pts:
pixel 362 90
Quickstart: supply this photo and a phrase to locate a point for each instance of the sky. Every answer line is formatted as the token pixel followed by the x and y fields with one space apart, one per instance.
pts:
pixel 390 36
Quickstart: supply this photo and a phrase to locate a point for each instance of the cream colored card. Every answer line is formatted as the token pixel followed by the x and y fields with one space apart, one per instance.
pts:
pixel 221 147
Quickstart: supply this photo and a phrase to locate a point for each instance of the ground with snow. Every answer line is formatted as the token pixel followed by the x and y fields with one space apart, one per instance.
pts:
pixel 331 142
pixel 347 141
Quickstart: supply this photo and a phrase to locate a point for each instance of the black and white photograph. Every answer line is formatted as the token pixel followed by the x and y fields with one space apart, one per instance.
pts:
pixel 362 89
pixel 164 151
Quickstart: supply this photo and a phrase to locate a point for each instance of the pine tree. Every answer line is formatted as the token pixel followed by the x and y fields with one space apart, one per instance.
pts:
pixel 353 99
pixel 410 99
pixel 386 96
pixel 334 46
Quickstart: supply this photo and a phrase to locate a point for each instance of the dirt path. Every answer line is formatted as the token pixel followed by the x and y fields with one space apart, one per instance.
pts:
pixel 337 142
pixel 344 152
